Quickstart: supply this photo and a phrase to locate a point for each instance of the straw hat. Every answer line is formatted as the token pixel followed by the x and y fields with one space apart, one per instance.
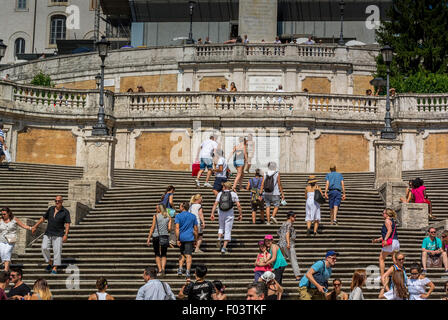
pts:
pixel 312 179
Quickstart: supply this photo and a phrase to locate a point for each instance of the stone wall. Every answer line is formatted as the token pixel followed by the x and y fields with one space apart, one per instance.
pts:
pixel 212 83
pixel 153 83
pixel 316 85
pixel 83 85
pixel 361 84
pixel 436 151
pixel 47 146
pixel 163 151
pixel 349 152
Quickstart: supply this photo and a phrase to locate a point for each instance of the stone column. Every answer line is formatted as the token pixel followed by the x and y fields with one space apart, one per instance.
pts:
pixel 100 159
pixel 388 171
pixel 258 19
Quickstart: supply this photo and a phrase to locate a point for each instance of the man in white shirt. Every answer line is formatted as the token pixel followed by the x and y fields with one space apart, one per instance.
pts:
pixel 226 217
pixel 220 171
pixel 205 153
pixel 154 289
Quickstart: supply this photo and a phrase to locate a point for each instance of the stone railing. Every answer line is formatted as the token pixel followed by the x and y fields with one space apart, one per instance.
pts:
pixel 345 103
pixel 422 103
pixel 164 101
pixel 57 98
pixel 287 52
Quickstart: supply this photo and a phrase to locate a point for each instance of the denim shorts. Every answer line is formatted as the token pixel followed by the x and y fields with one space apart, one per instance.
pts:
pixel 334 198
pixel 270 199
pixel 206 162
pixel 238 163
pixel 218 183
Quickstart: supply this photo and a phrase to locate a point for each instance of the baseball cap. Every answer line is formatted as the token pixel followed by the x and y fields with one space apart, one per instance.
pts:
pixel 331 253
pixel 268 237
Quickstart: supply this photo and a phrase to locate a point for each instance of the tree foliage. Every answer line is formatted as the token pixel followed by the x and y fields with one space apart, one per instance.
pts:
pixel 42 79
pixel 417 32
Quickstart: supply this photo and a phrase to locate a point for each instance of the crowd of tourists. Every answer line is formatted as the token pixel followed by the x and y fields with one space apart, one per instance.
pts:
pixel 183 229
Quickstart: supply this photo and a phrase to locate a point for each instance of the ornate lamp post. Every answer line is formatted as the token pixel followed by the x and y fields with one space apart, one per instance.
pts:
pixel 190 35
pixel 387 132
pixel 2 49
pixel 98 80
pixel 341 37
pixel 100 129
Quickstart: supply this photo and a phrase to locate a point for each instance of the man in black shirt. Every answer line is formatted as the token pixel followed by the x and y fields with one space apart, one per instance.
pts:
pixel 57 232
pixel 20 289
pixel 201 289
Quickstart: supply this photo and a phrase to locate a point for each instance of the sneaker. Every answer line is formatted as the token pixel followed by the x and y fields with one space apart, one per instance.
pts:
pixel 53 272
pixel 315 234
pixel 198 251
pixel 49 268
pixel 159 274
pixel 187 274
pixel 179 272
pixel 223 250
pixel 218 244
pixel 424 271
pixel 335 222
pixel 308 232
pixel 275 220
pixel 208 185
pixel 198 184
pixel 268 223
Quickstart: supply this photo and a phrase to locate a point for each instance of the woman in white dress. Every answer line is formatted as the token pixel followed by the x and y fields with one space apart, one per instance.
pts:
pixel 417 284
pixel 196 209
pixel 8 234
pixel 312 207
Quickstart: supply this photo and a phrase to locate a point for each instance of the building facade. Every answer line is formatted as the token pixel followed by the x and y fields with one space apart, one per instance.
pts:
pixel 34 26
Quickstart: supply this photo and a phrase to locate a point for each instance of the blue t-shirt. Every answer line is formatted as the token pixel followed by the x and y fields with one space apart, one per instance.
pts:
pixel 431 245
pixel 186 221
pixel 320 267
pixel 335 179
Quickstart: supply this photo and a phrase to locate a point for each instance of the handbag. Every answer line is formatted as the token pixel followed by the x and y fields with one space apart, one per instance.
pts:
pixel 435 260
pixel 11 238
pixel 163 240
pixel 318 197
pixel 391 239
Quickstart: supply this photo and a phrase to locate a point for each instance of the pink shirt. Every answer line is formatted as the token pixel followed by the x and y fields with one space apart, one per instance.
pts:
pixel 265 257
pixel 419 195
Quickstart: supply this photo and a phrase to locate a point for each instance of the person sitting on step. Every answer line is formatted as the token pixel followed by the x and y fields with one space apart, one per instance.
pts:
pixel 433 254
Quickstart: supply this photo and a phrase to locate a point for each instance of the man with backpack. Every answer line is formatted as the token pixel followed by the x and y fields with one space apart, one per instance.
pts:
pixel 314 284
pixel 256 200
pixel 222 171
pixel 225 202
pixel 272 187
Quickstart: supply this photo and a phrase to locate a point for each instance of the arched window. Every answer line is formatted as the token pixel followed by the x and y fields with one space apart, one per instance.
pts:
pixel 57 28
pixel 19 46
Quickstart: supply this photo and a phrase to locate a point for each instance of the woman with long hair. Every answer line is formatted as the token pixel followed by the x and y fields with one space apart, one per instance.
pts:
pixel 312 207
pixel 160 233
pixel 196 209
pixel 239 153
pixel 417 284
pixel 398 258
pixel 358 281
pixel 398 290
pixel 101 294
pixel 41 291
pixel 337 293
pixel 8 234
pixel 389 238
pixel 168 197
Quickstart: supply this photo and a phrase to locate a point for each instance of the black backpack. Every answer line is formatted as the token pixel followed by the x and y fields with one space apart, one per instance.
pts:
pixel 269 183
pixel 226 202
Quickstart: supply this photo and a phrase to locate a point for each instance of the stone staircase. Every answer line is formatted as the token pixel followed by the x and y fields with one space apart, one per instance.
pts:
pixel 111 240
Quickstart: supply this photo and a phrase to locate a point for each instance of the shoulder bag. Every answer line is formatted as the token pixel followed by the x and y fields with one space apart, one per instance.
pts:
pixel 318 197
pixel 391 238
pixel 164 241
pixel 167 296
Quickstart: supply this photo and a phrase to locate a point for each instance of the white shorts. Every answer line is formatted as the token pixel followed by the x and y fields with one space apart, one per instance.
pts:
pixel 395 246
pixel 6 251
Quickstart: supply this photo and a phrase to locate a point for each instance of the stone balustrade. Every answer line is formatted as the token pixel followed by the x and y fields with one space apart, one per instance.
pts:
pixel 84 103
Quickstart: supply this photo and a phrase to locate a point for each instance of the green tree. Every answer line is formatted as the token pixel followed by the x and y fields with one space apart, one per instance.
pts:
pixel 417 31
pixel 42 79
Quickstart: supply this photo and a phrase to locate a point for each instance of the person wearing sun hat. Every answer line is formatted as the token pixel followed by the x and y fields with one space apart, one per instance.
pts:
pixel 314 283
pixel 312 208
pixel 277 259
pixel 275 290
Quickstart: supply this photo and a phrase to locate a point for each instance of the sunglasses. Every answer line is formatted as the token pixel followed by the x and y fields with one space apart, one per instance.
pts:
pixel 337 284
pixel 402 259
pixel 58 201
pixel 415 273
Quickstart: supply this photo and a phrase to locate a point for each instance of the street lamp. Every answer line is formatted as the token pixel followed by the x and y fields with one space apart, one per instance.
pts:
pixel 341 37
pixel 98 80
pixel 2 49
pixel 100 129
pixel 387 132
pixel 190 35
